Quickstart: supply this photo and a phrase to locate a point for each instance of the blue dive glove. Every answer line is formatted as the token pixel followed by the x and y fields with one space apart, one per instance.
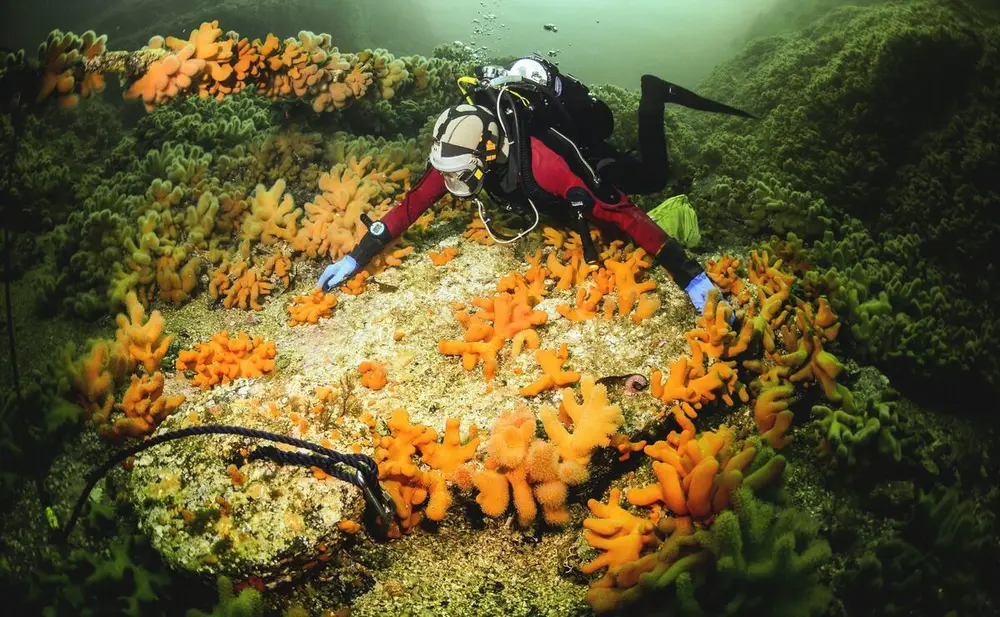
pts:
pixel 335 273
pixel 698 290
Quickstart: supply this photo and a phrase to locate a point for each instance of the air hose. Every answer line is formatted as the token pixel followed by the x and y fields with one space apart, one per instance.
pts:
pixel 357 469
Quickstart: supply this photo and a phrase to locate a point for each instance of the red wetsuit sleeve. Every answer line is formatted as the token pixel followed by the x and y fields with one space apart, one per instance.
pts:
pixel 424 194
pixel 553 175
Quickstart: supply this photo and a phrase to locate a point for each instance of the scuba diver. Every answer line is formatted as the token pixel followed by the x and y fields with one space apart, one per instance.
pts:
pixel 532 139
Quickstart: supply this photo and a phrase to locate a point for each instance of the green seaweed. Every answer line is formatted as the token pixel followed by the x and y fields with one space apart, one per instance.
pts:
pixel 247 603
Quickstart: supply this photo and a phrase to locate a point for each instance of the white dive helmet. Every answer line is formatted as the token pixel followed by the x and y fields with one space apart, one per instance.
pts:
pixel 466 140
pixel 534 70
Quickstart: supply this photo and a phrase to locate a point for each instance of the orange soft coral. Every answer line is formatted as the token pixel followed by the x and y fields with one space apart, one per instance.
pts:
pixel 626 287
pixel 567 274
pixel 57 57
pixel 144 406
pixel 215 53
pixel 246 289
pixel 273 215
pixel 586 307
pixel 62 59
pixel 793 353
pixel 714 332
pixel 697 475
pixel 176 280
pixel 618 532
pixel 476 232
pixel 357 284
pixel 252 57
pixel 373 375
pixel 772 416
pixel 92 46
pixel 213 63
pixel 693 385
pixel 680 546
pixel 724 274
pixel 332 223
pixel 448 455
pixel 553 373
pixel 389 258
pixel 92 378
pixel 593 422
pixel 766 275
pixel 530 285
pixel 140 338
pixel 405 481
pixel 821 320
pixel 304 67
pixel 446 255
pixel 224 359
pixel 522 469
pixel 500 318
pixel 310 308
pixel 167 77
pixel 616 276
pixel 279 267
pixel 812 361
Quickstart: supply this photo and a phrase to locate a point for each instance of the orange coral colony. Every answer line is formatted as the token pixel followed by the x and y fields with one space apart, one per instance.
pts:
pixel 500 318
pixel 443 257
pixel 224 359
pixel 405 481
pixel 553 375
pixel 142 339
pixel 144 406
pixel 373 375
pixel 310 308
pixel 696 476
pixel 532 472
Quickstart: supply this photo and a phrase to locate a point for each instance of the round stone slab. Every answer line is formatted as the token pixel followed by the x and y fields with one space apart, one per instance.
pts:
pixel 207 511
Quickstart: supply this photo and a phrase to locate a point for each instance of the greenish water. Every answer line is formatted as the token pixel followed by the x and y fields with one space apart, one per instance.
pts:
pixel 598 41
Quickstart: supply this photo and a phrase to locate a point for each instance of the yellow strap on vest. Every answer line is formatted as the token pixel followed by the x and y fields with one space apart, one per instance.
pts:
pixel 467 81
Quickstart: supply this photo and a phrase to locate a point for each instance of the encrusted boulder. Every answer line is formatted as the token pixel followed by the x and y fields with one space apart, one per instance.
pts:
pixel 209 511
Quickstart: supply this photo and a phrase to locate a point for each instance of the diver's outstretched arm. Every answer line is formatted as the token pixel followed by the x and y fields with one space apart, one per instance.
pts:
pixel 428 190
pixel 424 194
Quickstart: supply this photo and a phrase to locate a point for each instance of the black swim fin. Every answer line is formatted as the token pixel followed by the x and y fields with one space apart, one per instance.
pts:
pixel 672 93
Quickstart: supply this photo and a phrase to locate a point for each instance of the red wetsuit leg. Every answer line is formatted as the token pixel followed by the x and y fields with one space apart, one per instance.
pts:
pixel 553 175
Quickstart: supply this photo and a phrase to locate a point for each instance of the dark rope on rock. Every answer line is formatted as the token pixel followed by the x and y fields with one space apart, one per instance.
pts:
pixel 357 469
pixel 270 453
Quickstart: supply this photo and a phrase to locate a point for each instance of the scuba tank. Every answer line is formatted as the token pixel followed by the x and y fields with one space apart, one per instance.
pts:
pixel 533 98
pixel 557 100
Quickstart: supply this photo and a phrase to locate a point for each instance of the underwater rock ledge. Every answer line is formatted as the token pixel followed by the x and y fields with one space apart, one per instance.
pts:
pixel 206 512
